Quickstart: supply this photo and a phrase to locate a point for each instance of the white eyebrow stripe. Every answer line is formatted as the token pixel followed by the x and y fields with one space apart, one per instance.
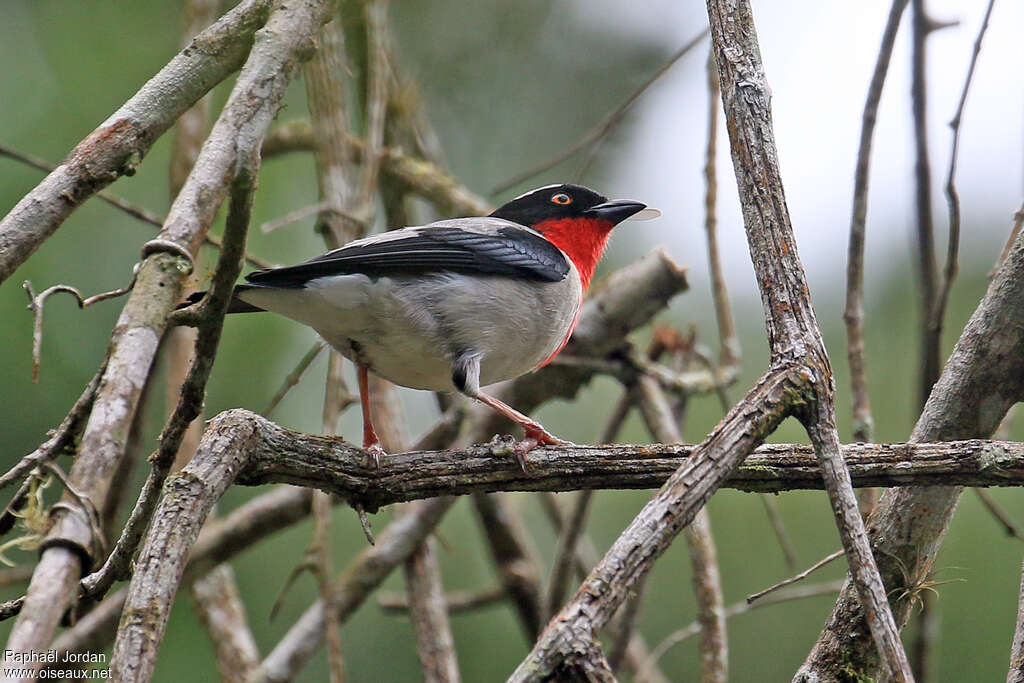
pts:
pixel 536 189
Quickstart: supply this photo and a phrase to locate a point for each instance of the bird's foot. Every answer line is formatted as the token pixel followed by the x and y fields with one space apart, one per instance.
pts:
pixel 374 451
pixel 533 437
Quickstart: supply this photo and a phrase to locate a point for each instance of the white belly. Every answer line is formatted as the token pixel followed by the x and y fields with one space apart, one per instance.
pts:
pixel 409 329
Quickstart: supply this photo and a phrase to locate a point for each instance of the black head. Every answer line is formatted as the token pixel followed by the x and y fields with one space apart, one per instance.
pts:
pixel 565 201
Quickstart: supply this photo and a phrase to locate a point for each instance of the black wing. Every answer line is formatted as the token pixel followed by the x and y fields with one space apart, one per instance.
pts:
pixel 511 252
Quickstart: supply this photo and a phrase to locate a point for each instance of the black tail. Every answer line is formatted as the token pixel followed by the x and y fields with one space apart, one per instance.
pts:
pixel 236 305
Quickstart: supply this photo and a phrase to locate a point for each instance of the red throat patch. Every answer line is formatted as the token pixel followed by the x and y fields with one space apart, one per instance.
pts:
pixel 582 239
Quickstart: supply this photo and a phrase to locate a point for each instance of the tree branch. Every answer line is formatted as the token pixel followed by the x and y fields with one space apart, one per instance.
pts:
pixel 798 383
pixel 931 362
pixel 188 498
pixel 853 315
pixel 607 122
pixel 129 208
pixel 351 588
pixel 222 612
pixel 983 377
pixel 429 613
pixel 279 455
pixel 949 272
pixel 1016 671
pixel 193 388
pixel 219 541
pixel 706 577
pixel 419 176
pixel 117 147
pixel 288 37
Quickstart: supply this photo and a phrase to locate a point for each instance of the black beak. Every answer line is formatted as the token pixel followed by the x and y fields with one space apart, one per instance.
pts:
pixel 615 211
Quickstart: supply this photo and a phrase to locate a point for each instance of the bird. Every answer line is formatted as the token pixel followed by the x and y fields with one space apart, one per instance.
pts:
pixel 454 305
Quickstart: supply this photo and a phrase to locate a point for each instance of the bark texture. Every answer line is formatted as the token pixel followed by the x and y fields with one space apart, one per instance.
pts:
pixel 983 377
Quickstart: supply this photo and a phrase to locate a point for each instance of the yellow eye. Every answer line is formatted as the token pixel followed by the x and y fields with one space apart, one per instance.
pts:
pixel 561 198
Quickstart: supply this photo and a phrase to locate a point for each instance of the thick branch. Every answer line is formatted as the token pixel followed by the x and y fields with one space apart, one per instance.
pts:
pixel 983 377
pixel 566 642
pixel 233 145
pixel 117 147
pixel 328 463
pixel 706 577
pixel 1016 671
pixel 188 498
pixel 219 541
pixel 793 333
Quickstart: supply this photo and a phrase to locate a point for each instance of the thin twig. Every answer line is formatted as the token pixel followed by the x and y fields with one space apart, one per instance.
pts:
pixel 428 611
pixel 922 649
pixel 222 613
pixel 212 311
pixel 565 552
pixel 797 577
pixel 931 303
pixel 320 558
pixel 1000 515
pixel 623 629
pixel 418 176
pixel 853 315
pixel 930 362
pixel 455 601
pixel 318 555
pixel 952 196
pixel 736 609
pixel 771 510
pixel 626 368
pixel 706 576
pixel 36 303
pixel 378 87
pixel 1016 672
pixel 134 210
pixel 63 438
pixel 729 340
pixel 606 124
pixel 295 216
pixel 586 556
pixel 352 586
pixel 293 378
pixel 513 558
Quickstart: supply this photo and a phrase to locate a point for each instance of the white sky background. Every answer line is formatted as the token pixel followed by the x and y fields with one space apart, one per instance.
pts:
pixel 818 59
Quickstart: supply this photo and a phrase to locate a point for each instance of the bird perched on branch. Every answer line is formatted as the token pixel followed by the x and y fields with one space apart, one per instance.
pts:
pixel 453 305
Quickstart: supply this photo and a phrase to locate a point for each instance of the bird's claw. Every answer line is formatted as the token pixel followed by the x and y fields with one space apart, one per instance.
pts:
pixel 374 451
pixel 535 437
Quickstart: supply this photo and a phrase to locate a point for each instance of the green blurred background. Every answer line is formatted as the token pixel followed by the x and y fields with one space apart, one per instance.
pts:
pixel 507 85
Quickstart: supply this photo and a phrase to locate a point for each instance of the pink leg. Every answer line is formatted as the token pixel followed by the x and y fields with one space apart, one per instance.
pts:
pixel 370 441
pixel 535 434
